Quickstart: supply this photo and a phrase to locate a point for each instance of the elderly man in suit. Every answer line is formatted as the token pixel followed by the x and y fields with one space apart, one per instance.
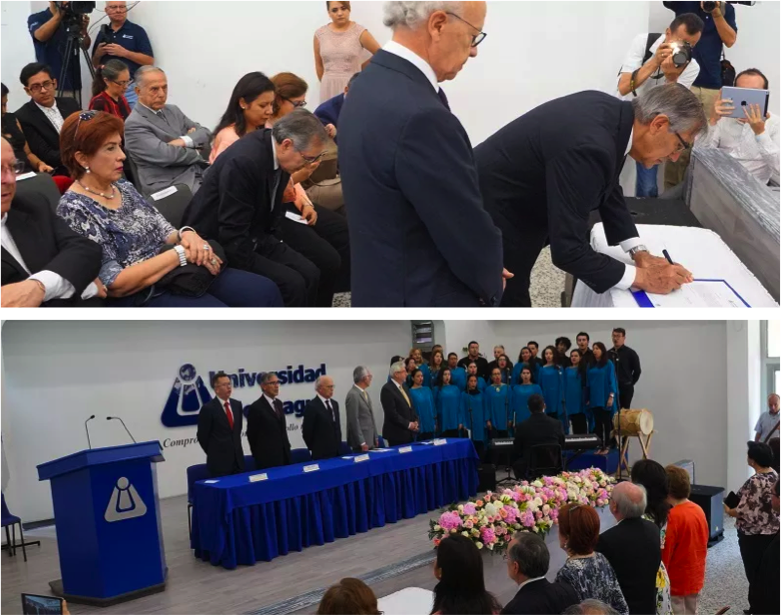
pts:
pixel 401 420
pixel 267 427
pixel 361 427
pixel 421 236
pixel 44 262
pixel 219 429
pixel 322 427
pixel 162 141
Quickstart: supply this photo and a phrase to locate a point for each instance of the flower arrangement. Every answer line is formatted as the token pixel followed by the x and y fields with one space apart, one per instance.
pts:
pixel 491 521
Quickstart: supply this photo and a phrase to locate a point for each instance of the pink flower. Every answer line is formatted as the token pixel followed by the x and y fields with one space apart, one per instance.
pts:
pixel 516 496
pixel 469 525
pixel 449 521
pixel 488 535
pixel 527 519
pixel 554 514
pixel 512 514
pixel 538 514
pixel 469 508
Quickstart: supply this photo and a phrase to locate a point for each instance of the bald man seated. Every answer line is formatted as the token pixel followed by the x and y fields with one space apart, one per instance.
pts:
pixel 44 262
pixel 633 548
pixel 322 428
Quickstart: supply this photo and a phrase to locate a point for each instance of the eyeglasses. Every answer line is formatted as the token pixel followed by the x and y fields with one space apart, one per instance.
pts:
pixel 309 159
pixel 298 104
pixel 122 84
pixel 37 87
pixel 84 116
pixel 684 145
pixel 16 167
pixel 116 8
pixel 477 38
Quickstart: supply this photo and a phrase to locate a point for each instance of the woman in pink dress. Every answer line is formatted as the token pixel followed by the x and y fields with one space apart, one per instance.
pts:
pixel 339 46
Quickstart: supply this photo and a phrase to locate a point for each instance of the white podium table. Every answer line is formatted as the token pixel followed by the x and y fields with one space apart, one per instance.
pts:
pixel 409 601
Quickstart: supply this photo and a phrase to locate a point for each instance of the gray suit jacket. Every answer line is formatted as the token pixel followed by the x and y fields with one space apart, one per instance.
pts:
pixel 160 165
pixel 360 419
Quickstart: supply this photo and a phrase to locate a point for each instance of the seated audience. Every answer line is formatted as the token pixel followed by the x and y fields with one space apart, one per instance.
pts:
pixel 138 268
pixel 590 607
pixel 767 427
pixel 461 587
pixel 322 427
pixel 328 112
pixel 757 521
pixel 633 548
pixel 538 429
pixel 768 575
pixel 653 478
pixel 109 87
pixel 42 117
pixel 348 597
pixel 587 571
pixel 13 133
pixel 240 205
pixel 685 545
pixel 752 140
pixel 44 262
pixel 163 142
pixel 527 564
pixel 250 108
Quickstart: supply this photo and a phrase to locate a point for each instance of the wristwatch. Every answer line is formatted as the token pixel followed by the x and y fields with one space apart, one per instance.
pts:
pixel 182 255
pixel 636 249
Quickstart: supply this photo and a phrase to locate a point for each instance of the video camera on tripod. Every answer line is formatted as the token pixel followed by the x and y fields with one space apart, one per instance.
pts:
pixel 73 20
pixel 72 13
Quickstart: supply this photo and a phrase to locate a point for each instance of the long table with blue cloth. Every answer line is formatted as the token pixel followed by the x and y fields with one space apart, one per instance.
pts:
pixel 245 518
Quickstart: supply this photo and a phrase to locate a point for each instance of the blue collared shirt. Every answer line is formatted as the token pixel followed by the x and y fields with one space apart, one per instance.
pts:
pixel 52 52
pixel 130 36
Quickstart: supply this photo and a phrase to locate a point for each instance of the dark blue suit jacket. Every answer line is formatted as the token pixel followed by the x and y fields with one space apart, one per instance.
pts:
pixel 328 112
pixel 419 235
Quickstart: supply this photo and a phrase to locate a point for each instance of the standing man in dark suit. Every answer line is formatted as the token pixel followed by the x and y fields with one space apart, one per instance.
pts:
pixel 420 236
pixel 44 114
pixel 528 560
pixel 44 262
pixel 473 356
pixel 539 428
pixel 627 367
pixel 587 359
pixel 267 427
pixel 322 428
pixel 633 548
pixel 545 173
pixel 219 429
pixel 401 421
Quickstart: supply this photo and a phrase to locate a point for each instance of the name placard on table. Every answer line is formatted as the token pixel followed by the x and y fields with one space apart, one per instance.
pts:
pixel 360 458
pixel 440 442
pixel 312 468
pixel 258 477
pixel 405 449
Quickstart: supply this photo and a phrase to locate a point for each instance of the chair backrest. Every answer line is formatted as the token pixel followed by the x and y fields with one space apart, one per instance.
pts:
pixel 544 460
pixel 131 172
pixel 40 186
pixel 194 474
pixel 6 513
pixel 300 455
pixel 172 202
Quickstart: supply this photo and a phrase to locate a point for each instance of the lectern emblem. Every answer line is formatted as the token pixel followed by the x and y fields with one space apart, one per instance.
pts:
pixel 125 503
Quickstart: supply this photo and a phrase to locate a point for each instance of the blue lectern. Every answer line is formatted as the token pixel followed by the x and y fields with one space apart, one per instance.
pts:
pixel 108 523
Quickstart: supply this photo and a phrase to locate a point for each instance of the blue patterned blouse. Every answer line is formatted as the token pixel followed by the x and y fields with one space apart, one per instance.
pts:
pixel 129 235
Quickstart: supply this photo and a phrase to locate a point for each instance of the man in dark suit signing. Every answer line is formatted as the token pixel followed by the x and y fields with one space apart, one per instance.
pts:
pixel 219 429
pixel 539 428
pixel 420 236
pixel 528 559
pixel 44 114
pixel 633 548
pixel 542 176
pixel 267 427
pixel 401 420
pixel 322 428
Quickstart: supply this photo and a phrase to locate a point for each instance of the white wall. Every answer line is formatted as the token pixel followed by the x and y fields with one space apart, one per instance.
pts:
pixel 17 49
pixel 55 375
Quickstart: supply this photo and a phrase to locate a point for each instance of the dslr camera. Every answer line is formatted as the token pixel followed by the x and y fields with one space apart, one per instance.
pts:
pixel 72 13
pixel 682 53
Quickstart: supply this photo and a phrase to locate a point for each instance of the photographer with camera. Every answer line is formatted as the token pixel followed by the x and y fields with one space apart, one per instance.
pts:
pixel 719 30
pixel 753 140
pixel 50 32
pixel 656 59
pixel 125 41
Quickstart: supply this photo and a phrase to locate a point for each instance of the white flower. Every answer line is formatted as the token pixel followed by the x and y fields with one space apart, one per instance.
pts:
pixel 437 528
pixel 453 531
pixel 537 502
pixel 479 545
pixel 465 534
pixel 490 510
pixel 537 483
pixel 460 508
pixel 491 546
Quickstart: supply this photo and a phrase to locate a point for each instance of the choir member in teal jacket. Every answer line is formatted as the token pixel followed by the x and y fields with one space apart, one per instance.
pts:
pixel 417 354
pixel 448 403
pixel 457 374
pixel 521 394
pixel 471 370
pixel 411 366
pixel 525 358
pixel 498 398
pixel 435 365
pixel 505 367
pixel 575 396
pixel 552 383
pixel 602 390
pixel 473 411
pixel 423 400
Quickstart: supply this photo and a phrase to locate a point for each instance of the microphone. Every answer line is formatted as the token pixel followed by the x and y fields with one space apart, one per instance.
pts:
pixel 86 427
pixel 116 418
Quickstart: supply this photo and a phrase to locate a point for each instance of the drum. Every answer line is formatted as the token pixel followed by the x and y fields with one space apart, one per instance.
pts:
pixel 634 422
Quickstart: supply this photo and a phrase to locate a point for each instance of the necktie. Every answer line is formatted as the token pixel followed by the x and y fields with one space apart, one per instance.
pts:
pixel 275 189
pixel 229 413
pixel 403 392
pixel 330 409
pixel 365 396
pixel 278 408
pixel 443 98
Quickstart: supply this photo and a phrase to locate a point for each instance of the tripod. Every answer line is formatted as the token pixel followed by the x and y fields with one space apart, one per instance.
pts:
pixel 71 60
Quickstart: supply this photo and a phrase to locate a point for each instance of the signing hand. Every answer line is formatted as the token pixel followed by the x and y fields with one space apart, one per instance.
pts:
pixel 662 280
pixel 646 259
pixel 723 108
pixel 23 294
pixel 754 118
pixel 44 168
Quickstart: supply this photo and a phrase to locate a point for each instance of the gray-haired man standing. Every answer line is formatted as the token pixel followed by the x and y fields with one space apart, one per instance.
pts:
pixel 361 427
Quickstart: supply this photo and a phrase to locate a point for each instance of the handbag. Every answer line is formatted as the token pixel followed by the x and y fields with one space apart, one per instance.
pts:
pixel 728 71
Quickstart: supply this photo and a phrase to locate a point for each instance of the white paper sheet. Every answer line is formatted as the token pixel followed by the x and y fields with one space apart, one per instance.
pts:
pixel 699 294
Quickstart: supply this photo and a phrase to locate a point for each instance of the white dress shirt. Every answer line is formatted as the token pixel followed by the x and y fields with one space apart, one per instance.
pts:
pixel 188 142
pixel 56 286
pixel 634 60
pixel 412 57
pixel 270 401
pixel 53 115
pixel 758 154
pixel 328 404
pixel 527 581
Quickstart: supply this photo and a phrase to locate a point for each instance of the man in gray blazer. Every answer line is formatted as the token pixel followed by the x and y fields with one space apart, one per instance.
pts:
pixel 361 428
pixel 162 141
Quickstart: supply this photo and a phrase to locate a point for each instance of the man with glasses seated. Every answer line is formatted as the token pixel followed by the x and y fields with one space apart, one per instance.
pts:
pixel 44 114
pixel 123 40
pixel 240 204
pixel 543 175
pixel 162 141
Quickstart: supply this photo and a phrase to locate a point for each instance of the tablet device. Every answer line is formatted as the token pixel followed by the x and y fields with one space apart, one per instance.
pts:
pixel 33 604
pixel 732 500
pixel 741 97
